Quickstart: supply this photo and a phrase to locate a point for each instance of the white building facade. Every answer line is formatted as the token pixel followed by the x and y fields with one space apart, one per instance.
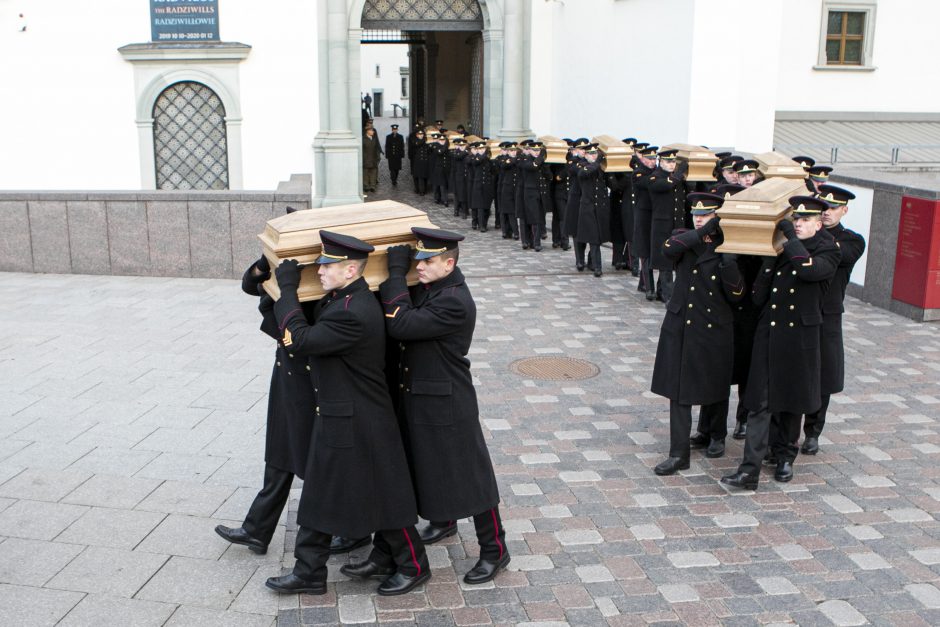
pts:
pixel 92 103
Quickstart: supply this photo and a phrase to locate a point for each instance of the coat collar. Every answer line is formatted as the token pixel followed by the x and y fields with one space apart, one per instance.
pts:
pixel 356 286
pixel 452 279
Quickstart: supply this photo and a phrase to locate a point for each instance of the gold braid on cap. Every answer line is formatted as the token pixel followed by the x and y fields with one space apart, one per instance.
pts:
pixel 422 249
pixel 336 257
pixel 701 205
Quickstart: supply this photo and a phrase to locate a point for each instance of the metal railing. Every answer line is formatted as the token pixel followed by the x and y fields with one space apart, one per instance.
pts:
pixel 893 152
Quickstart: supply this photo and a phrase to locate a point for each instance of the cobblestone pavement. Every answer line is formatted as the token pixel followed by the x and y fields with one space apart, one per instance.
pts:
pixel 132 422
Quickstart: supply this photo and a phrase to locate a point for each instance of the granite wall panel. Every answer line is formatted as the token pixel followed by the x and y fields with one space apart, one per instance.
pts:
pixel 210 239
pixel 168 229
pixel 128 237
pixel 16 253
pixel 88 237
pixel 49 233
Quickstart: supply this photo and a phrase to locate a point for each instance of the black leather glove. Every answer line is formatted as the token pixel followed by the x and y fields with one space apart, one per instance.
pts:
pixel 288 275
pixel 263 265
pixel 399 260
pixel 786 227
pixel 711 227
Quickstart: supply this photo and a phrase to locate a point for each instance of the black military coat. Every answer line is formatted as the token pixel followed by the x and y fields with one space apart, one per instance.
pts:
pixel 696 342
pixel 592 225
pixel 573 203
pixel 789 290
pixel 479 181
pixel 746 313
pixel 394 150
pixel 530 189
pixel 617 184
pixel 667 200
pixel 642 211
pixel 458 174
pixel 627 202
pixel 420 164
pixel 290 396
pixel 357 478
pixel 434 325
pixel 559 188
pixel 506 186
pixel 438 164
pixel 851 245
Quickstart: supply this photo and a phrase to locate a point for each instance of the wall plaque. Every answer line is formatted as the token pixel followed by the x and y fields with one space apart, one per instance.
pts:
pixel 184 21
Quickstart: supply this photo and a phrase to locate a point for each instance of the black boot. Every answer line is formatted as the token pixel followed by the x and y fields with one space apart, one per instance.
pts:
pixel 671 465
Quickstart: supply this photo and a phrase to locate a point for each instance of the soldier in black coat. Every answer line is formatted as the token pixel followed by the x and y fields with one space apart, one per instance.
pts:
pixel 617 185
pixel 559 201
pixel 479 185
pixel 785 367
pixel 289 424
pixel 851 246
pixel 667 200
pixel 696 342
pixel 593 220
pixel 458 176
pixel 433 323
pixel 507 176
pixel 394 153
pixel 438 167
pixel 420 165
pixel 356 439
pixel 643 216
pixel 573 201
pixel 530 191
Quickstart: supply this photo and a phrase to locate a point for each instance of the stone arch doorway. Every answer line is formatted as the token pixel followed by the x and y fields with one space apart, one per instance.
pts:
pixel 337 146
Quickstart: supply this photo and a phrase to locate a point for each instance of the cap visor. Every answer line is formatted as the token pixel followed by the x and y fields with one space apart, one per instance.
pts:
pixel 325 260
pixel 422 255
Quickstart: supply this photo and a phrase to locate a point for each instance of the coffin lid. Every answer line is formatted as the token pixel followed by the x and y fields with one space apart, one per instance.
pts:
pixel 692 153
pixel 776 164
pixel 610 145
pixel 768 198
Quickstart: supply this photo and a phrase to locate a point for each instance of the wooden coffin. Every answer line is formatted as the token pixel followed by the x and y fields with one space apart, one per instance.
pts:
pixel 700 161
pixel 615 155
pixel 492 146
pixel 473 139
pixel 556 150
pixel 297 236
pixel 775 164
pixel 749 218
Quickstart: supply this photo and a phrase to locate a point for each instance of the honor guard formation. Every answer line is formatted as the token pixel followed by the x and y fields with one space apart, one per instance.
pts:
pixel 395 434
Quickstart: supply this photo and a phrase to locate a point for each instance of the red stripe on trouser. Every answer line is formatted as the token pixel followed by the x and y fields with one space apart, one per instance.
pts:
pixel 496 528
pixel 414 558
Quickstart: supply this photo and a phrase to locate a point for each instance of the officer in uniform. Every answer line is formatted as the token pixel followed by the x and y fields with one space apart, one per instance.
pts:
pixel 852 246
pixel 559 199
pixel 818 175
pixel 696 342
pixel 479 185
pixel 643 217
pixel 507 175
pixel 394 153
pixel 785 368
pixel 458 175
pixel 420 163
pixel 667 199
pixel 356 439
pixel 529 194
pixel 593 220
pixel 747 172
pixel 575 159
pixel 433 323
pixel 438 167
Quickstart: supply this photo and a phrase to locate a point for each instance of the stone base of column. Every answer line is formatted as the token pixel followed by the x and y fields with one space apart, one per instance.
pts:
pixel 338 167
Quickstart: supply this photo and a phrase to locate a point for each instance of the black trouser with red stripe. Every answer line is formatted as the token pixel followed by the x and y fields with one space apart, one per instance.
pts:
pixel 490 533
pixel 401 547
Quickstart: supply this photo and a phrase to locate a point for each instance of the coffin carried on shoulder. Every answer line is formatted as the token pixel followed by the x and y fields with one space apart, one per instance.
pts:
pixel 775 164
pixel 749 218
pixel 615 155
pixel 297 236
pixel 492 146
pixel 556 150
pixel 700 161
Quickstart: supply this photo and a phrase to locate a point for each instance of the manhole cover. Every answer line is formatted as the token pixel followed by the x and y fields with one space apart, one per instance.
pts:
pixel 554 368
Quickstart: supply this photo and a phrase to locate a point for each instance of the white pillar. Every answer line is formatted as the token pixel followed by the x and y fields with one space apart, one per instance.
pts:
pixel 513 123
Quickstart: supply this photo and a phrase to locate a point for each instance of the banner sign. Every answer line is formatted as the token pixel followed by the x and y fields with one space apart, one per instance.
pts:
pixel 184 20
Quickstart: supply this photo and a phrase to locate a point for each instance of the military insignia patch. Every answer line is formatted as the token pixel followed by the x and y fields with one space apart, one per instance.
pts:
pixel 287 341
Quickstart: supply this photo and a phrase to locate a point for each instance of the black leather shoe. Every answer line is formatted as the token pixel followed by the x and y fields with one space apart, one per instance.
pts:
pixel 810 446
pixel 651 296
pixel 716 448
pixel 366 569
pixel 292 584
pixel 579 266
pixel 483 229
pixel 699 440
pixel 671 465
pixel 240 536
pixel 770 460
pixel 740 430
pixel 485 570
pixel 403 584
pixel 740 480
pixel 538 248
pixel 339 544
pixel 565 247
pixel 598 272
pixel 784 472
pixel 432 533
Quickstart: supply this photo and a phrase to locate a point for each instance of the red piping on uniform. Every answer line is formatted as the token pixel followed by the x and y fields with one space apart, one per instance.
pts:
pixel 287 318
pixel 389 302
pixel 496 527
pixel 414 558
pixel 346 306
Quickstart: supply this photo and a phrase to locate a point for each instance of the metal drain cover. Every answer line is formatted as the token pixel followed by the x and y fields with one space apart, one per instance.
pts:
pixel 554 368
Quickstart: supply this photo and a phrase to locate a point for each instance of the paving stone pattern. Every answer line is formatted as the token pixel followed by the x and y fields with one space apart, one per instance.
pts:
pixel 132 422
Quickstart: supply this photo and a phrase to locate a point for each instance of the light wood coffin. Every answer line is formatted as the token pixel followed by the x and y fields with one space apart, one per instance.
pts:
pixel 297 236
pixel 775 164
pixel 749 218
pixel 615 154
pixel 492 145
pixel 556 150
pixel 472 139
pixel 701 161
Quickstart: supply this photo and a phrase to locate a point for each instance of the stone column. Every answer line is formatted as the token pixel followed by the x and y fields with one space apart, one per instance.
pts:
pixel 337 146
pixel 492 82
pixel 432 49
pixel 513 124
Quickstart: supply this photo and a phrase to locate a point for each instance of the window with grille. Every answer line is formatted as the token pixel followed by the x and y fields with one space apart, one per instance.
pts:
pixel 846 34
pixel 189 140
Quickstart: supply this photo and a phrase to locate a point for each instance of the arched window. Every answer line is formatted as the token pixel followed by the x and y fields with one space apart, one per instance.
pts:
pixel 189 141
